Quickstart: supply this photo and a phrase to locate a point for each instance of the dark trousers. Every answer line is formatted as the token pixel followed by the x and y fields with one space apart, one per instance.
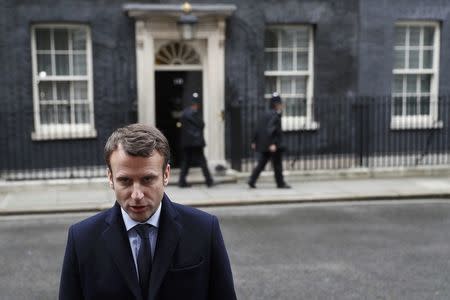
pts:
pixel 190 156
pixel 263 158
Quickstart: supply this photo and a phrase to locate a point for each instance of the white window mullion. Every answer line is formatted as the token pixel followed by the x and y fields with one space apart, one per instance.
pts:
pixel 290 74
pixel 418 120
pixel 62 111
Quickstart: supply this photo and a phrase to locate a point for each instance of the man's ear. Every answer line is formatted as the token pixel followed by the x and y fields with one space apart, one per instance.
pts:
pixel 110 178
pixel 166 175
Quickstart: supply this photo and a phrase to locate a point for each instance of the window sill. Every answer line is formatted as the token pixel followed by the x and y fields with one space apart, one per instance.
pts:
pixel 297 123
pixel 405 124
pixel 63 135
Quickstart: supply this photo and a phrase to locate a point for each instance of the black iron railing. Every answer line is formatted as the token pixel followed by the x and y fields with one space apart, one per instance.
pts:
pixel 355 132
pixel 54 148
pixel 331 133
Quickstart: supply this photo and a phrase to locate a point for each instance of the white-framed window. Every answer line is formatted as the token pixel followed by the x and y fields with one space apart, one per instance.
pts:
pixel 289 54
pixel 62 81
pixel 415 75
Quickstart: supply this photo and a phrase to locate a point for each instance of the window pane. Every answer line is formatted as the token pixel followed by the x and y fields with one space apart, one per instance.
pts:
pixel 81 113
pixel 79 39
pixel 411 84
pixel 271 84
pixel 400 36
pixel 61 39
pixel 302 38
pixel 295 107
pixel 414 36
pixel 428 59
pixel 63 112
pixel 44 63
pixel 47 114
pixel 425 83
pixel 80 90
pixel 45 90
pixel 302 61
pixel 287 60
pixel 271 39
pixel 286 85
pixel 398 84
pixel 43 39
pixel 428 36
pixel 79 64
pixel 398 106
pixel 271 59
pixel 411 106
pixel 413 59
pixel 62 64
pixel 399 59
pixel 300 85
pixel 287 38
pixel 425 105
pixel 63 90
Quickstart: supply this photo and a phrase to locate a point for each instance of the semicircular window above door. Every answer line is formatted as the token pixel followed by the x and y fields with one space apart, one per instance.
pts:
pixel 177 53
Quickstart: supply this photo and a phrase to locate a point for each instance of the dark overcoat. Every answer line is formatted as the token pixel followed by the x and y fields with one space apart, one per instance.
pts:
pixel 268 132
pixel 192 127
pixel 190 260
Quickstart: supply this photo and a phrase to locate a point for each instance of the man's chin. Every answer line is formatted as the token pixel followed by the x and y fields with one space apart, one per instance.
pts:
pixel 139 213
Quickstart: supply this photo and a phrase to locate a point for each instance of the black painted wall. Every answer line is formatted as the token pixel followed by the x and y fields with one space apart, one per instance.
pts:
pixel 353 42
pixel 114 79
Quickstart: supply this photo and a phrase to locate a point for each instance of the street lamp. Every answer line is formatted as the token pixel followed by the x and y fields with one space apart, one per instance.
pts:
pixel 186 22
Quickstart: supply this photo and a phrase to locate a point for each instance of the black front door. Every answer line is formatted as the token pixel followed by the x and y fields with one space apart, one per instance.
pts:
pixel 174 91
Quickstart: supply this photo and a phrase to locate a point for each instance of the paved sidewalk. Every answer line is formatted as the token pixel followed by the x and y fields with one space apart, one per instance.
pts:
pixel 94 194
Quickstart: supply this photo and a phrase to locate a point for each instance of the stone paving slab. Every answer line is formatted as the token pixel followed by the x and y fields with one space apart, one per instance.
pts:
pixel 95 195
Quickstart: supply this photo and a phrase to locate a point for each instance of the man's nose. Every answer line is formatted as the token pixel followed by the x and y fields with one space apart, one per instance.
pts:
pixel 137 192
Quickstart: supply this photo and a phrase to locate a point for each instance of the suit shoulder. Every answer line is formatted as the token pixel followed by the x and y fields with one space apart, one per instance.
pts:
pixel 91 222
pixel 193 214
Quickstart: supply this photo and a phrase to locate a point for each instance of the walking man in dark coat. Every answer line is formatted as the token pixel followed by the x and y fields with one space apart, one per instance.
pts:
pixel 267 141
pixel 193 142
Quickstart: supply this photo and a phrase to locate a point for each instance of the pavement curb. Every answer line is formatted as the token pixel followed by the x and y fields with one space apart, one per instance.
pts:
pixel 248 202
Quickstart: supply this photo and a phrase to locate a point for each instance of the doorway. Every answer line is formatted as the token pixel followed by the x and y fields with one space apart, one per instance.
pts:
pixel 173 92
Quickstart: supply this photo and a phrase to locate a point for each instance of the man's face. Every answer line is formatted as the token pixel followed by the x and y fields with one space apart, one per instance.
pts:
pixel 279 107
pixel 138 182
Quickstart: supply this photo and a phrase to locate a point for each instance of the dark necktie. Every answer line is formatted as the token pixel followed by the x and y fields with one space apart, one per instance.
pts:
pixel 144 258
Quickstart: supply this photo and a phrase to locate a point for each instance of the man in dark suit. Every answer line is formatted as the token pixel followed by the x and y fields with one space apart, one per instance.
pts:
pixel 267 141
pixel 193 142
pixel 145 246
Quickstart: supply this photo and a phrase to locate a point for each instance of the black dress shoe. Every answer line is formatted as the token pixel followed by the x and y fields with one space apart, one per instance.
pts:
pixel 251 185
pixel 184 185
pixel 210 184
pixel 284 186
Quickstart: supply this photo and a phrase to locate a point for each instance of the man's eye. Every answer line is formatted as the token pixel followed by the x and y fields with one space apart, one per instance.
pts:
pixel 124 180
pixel 148 179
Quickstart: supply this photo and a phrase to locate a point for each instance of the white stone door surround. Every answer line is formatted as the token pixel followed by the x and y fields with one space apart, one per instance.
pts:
pixel 155 26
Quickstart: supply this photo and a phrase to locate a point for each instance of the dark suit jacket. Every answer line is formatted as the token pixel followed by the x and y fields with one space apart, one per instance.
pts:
pixel 192 129
pixel 190 260
pixel 268 131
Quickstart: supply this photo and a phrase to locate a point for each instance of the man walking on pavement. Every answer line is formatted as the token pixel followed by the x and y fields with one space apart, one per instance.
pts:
pixel 193 142
pixel 267 141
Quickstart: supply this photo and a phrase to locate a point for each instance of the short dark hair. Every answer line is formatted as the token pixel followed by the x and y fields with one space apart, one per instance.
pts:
pixel 138 140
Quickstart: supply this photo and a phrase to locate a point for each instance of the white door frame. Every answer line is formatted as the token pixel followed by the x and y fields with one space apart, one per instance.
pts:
pixel 153 28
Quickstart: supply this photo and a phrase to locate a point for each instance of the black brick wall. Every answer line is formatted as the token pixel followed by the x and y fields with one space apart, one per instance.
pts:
pixel 353 42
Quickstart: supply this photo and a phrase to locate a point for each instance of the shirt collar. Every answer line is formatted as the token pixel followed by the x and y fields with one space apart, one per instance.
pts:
pixel 153 220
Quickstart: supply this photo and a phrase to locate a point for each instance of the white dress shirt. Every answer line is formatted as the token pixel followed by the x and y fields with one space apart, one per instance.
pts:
pixel 133 236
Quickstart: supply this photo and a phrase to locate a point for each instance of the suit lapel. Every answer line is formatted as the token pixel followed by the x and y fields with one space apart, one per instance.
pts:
pixel 118 245
pixel 168 235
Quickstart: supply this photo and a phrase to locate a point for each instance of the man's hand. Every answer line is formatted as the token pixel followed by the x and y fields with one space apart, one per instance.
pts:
pixel 273 148
pixel 253 145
